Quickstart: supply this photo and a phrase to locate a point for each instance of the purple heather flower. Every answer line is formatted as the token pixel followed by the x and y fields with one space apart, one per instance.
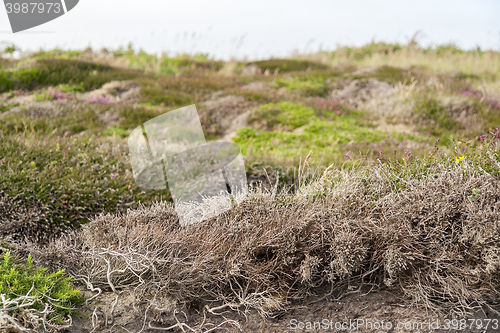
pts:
pixel 100 100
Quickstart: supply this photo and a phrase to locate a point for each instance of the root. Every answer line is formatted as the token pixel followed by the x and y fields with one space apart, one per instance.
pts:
pixel 32 316
pixel 200 327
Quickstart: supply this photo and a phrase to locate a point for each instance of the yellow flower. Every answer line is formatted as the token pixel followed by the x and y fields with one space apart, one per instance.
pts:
pixel 459 158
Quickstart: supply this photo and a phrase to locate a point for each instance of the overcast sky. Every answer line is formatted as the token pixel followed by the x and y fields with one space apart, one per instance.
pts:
pixel 261 28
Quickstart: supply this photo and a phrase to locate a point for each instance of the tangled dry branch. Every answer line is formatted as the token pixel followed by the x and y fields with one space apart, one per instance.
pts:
pixel 18 315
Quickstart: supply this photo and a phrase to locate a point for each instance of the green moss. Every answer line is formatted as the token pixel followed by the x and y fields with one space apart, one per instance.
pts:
pixel 312 86
pixel 117 131
pixel 285 113
pixel 67 88
pixel 329 133
pixel 157 95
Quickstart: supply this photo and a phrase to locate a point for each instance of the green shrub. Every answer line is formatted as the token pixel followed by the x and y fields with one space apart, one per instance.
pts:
pixel 366 51
pixel 184 90
pixel 70 179
pixel 52 290
pixel 116 130
pixel 312 86
pixel 84 75
pixel 131 118
pixel 285 113
pixel 67 88
pixel 4 107
pixel 165 65
pixel 443 123
pixel 329 131
pixel 390 74
pixel 289 65
pixel 73 119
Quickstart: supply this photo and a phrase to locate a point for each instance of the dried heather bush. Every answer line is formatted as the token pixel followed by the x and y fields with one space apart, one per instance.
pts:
pixel 420 232
pixel 18 223
pixel 394 263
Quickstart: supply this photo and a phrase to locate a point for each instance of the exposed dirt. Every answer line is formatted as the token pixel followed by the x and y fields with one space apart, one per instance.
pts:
pixel 43 109
pixel 357 92
pixel 251 70
pixel 21 100
pixel 381 311
pixel 115 91
pixel 111 117
pixel 399 128
pixel 256 86
pixel 463 111
pixel 221 116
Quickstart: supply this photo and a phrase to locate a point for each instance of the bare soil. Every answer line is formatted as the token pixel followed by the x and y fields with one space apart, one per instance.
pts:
pixel 381 311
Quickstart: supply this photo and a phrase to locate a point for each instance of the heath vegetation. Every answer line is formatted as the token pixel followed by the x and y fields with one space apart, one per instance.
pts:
pixel 371 168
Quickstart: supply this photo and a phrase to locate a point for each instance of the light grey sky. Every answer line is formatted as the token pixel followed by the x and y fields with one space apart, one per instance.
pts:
pixel 261 28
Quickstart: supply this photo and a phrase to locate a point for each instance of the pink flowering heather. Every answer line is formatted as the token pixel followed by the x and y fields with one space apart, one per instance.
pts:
pixel 99 100
pixel 57 95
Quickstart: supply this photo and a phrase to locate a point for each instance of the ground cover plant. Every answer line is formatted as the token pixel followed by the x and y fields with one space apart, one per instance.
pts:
pixel 399 190
pixel 330 131
pixel 65 181
pixel 35 297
